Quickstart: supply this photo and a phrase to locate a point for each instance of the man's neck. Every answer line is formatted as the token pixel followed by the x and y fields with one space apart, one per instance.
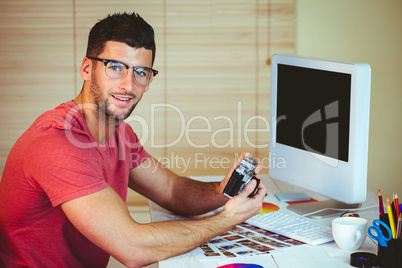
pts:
pixel 99 124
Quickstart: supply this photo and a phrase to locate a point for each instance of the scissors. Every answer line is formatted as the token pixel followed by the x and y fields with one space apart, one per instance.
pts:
pixel 378 234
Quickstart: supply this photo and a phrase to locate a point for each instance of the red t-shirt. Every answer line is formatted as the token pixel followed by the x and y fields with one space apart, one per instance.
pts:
pixel 54 161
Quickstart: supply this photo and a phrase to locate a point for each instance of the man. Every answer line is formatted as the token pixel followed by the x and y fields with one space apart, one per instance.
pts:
pixel 63 190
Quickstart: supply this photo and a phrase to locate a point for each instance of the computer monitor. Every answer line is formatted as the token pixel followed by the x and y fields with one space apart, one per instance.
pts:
pixel 319 129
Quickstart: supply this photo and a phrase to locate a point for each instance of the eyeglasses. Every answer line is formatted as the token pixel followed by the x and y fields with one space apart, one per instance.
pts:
pixel 115 69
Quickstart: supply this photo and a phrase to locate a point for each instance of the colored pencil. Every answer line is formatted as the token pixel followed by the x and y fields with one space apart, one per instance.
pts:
pixel 396 201
pixel 391 218
pixel 399 228
pixel 381 206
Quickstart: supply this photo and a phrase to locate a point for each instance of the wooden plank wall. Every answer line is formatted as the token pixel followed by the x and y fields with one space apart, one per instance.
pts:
pixel 210 100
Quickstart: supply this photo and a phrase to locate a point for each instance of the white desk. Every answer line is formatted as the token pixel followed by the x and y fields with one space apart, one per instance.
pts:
pixel 326 255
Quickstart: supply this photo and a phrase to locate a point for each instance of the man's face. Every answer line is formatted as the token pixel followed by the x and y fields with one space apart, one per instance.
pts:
pixel 117 98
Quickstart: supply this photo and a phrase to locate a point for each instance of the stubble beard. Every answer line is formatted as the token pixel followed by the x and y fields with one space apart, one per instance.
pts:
pixel 105 110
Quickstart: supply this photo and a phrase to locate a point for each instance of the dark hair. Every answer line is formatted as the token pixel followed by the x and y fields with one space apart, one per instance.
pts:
pixel 128 28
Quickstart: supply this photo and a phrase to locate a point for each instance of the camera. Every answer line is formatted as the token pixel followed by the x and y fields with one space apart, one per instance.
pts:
pixel 242 175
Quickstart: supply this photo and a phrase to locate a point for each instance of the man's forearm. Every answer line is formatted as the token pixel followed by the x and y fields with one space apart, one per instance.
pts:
pixel 175 193
pixel 192 197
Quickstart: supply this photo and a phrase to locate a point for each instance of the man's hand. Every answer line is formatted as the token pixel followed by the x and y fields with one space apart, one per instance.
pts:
pixel 241 207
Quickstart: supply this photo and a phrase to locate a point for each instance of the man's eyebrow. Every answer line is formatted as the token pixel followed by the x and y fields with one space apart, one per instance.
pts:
pixel 117 61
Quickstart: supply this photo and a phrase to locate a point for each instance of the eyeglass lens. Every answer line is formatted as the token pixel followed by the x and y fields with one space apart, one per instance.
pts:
pixel 117 70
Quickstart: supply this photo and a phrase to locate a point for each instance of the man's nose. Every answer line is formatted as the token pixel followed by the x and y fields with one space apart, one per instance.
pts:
pixel 127 82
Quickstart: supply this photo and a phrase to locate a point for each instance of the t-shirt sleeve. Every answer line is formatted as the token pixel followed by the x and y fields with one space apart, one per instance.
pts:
pixel 138 157
pixel 63 170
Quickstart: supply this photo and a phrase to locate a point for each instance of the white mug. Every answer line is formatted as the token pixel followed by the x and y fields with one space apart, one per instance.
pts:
pixel 349 232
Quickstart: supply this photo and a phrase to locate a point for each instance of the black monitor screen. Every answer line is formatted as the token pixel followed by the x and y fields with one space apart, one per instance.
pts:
pixel 313 110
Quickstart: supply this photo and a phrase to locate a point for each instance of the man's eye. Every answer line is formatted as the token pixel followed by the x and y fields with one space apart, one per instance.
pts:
pixel 141 72
pixel 115 67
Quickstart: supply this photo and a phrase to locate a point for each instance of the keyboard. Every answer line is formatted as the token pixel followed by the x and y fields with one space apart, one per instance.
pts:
pixel 295 227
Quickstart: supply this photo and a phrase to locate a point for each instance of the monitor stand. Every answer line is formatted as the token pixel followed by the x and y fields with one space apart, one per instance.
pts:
pixel 309 207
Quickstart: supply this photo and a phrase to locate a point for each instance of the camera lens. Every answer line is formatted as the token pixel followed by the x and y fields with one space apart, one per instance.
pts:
pixel 246 166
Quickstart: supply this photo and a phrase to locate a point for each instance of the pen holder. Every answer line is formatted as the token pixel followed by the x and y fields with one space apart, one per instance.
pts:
pixel 390 256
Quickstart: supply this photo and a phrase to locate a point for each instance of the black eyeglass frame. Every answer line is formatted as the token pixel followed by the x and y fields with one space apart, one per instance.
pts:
pixel 155 72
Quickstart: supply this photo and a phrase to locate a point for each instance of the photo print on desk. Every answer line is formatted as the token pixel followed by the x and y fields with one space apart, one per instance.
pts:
pixel 243 240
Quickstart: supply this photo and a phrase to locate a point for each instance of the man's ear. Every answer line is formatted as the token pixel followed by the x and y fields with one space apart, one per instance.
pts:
pixel 86 68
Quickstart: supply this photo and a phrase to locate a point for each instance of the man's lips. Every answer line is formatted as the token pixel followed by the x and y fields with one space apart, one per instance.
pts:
pixel 123 98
